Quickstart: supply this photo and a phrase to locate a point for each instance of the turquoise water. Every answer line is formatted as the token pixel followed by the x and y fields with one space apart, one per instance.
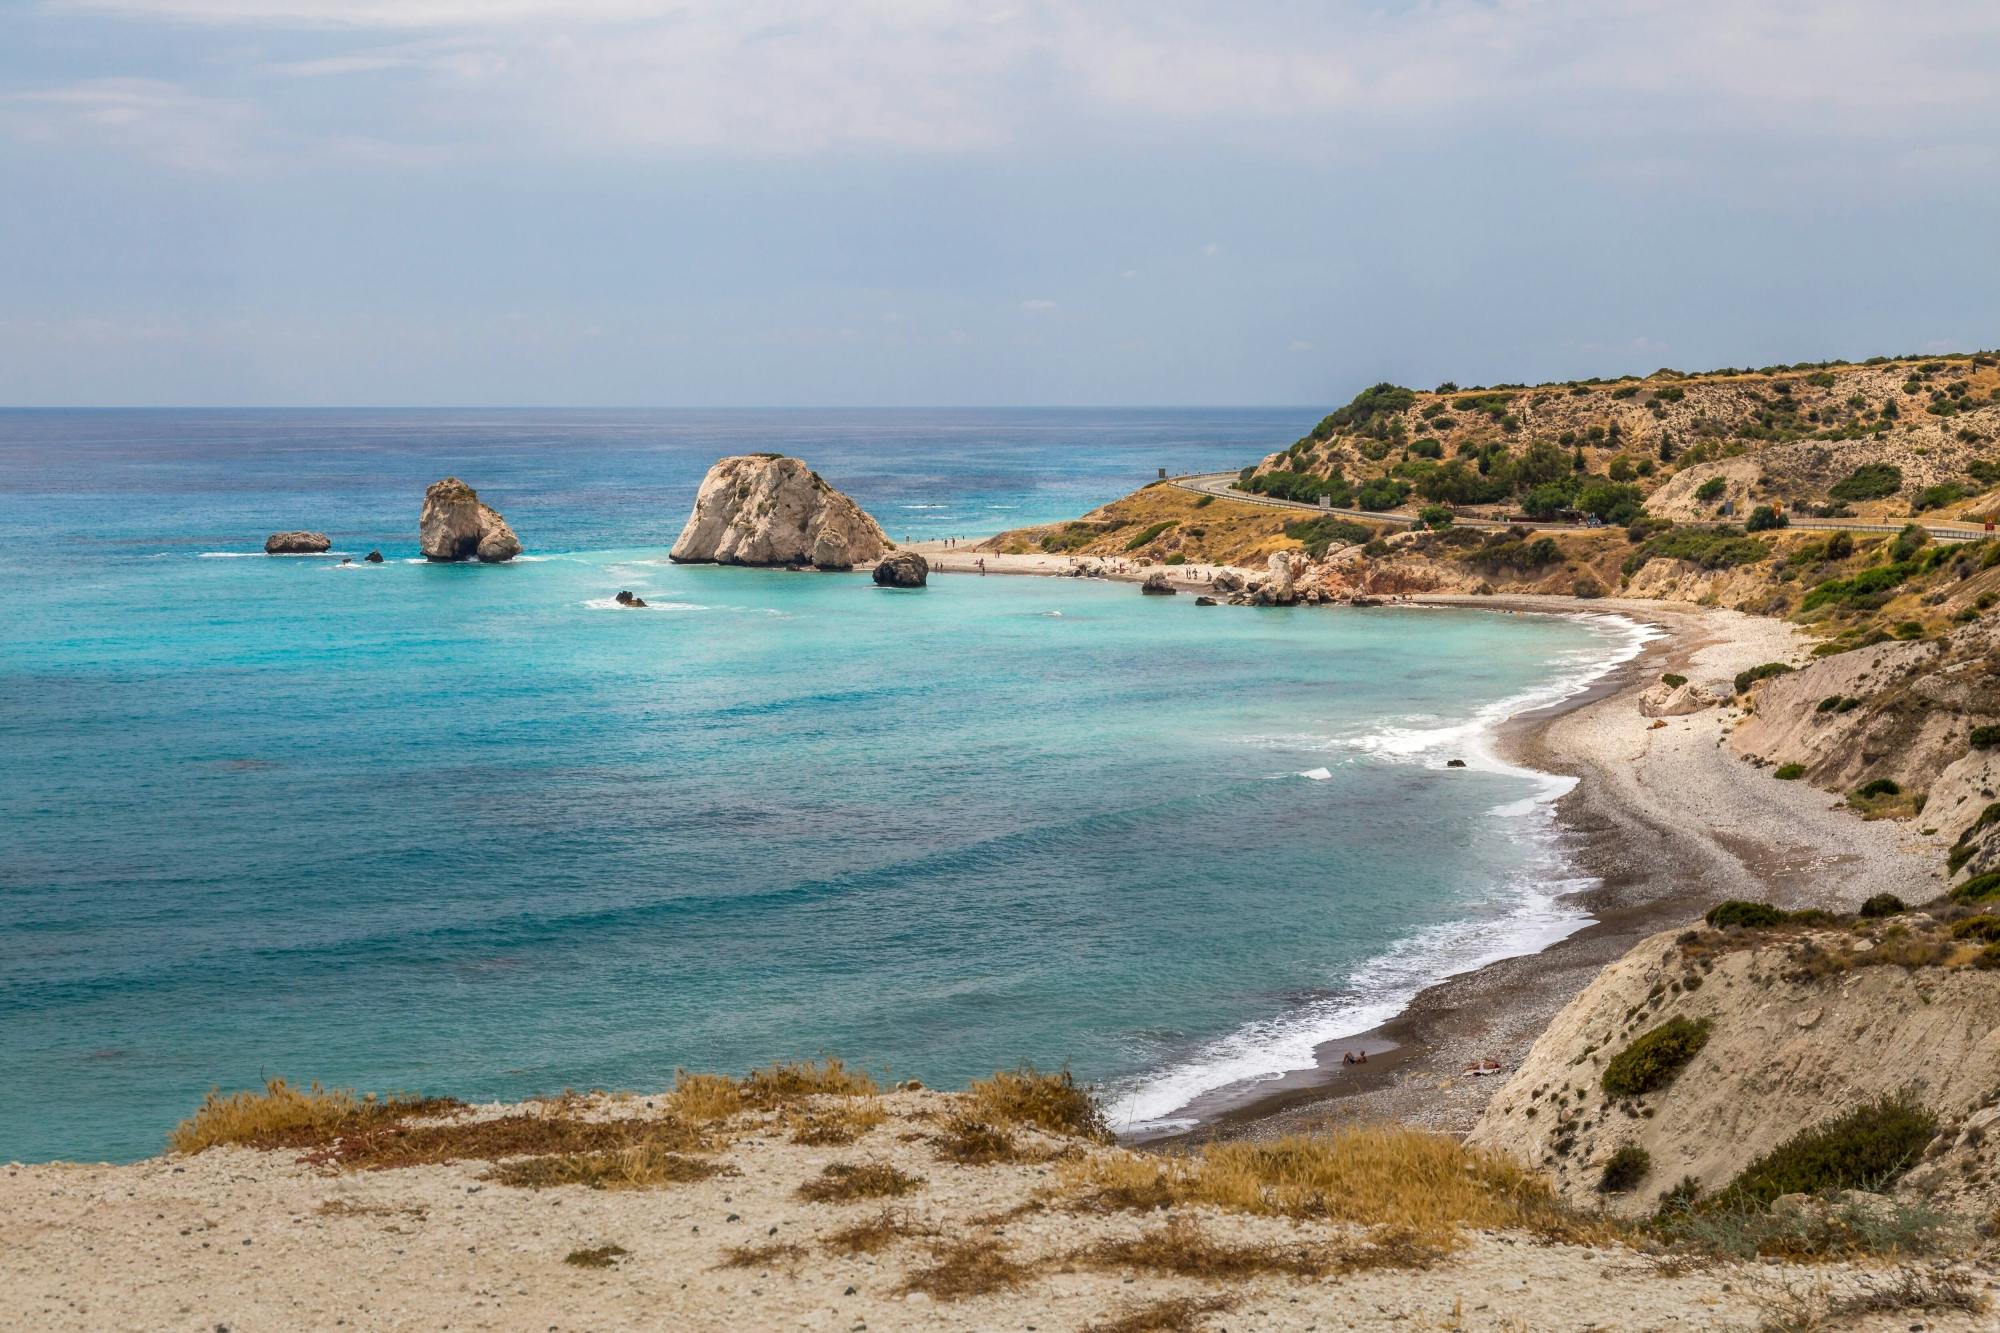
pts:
pixel 473 829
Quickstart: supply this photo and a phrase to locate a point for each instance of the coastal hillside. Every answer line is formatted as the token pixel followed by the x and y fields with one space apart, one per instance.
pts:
pixel 1887 438
pixel 1721 1075
pixel 808 1196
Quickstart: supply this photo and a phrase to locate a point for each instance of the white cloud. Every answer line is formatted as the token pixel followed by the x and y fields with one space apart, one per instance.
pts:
pixel 152 119
pixel 779 77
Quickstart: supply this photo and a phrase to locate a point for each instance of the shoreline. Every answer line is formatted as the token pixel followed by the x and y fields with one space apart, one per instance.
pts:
pixel 1664 820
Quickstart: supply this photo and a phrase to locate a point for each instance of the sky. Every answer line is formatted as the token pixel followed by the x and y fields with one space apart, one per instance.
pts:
pixel 885 202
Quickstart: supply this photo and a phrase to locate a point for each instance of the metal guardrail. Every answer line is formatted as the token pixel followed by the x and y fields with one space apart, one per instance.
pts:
pixel 1228 491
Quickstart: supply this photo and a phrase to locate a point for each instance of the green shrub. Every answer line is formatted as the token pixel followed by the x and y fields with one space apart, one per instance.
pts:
pixel 1870 481
pixel 1317 534
pixel 1790 772
pixel 1938 496
pixel 1986 737
pixel 1978 889
pixel 1866 1148
pixel 1737 912
pixel 1884 904
pixel 1656 1059
pixel 1908 542
pixel 1627 1167
pixel 1764 518
pixel 1426 448
pixel 1382 494
pixel 1866 585
pixel 1204 502
pixel 1371 404
pixel 1982 927
pixel 1709 548
pixel 1869 790
pixel 1435 517
pixel 1711 490
pixel 1149 532
pixel 1672 681
pixel 1175 558
pixel 1745 679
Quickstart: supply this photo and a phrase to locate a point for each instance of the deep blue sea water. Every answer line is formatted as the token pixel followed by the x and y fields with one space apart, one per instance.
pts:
pixel 475 830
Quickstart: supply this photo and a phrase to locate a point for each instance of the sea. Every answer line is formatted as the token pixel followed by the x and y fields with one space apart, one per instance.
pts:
pixel 478 830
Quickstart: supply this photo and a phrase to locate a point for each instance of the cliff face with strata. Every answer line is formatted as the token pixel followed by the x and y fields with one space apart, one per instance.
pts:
pixel 764 509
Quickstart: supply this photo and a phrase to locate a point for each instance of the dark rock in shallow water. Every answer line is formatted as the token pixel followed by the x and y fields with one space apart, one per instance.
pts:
pixel 1205 601
pixel 373 557
pixel 296 543
pixel 1454 763
pixel 627 599
pixel 1157 585
pixel 902 569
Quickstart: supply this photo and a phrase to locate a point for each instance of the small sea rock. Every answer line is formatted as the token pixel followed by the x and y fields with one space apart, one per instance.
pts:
pixel 296 543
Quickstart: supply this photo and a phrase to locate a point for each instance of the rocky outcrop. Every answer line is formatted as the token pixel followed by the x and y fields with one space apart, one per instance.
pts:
pixel 625 598
pixel 765 509
pixel 904 569
pixel 1158 585
pixel 1665 699
pixel 373 557
pixel 456 526
pixel 1803 1023
pixel 296 543
pixel 1205 601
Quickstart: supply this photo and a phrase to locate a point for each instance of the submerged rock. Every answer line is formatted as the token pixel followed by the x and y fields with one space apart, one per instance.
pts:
pixel 1204 601
pixel 766 509
pixel 373 557
pixel 903 569
pixel 1157 585
pixel 625 598
pixel 296 543
pixel 456 526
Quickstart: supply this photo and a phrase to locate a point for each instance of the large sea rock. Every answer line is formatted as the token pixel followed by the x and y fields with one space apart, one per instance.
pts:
pixel 765 509
pixel 296 543
pixel 903 569
pixel 456 526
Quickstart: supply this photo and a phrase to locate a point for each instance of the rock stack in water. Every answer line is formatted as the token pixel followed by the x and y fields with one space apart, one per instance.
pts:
pixel 904 569
pixel 296 543
pixel 456 526
pixel 765 509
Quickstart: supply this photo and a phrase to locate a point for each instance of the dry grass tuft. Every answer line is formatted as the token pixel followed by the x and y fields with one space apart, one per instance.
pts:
pixel 349 1208
pixel 1423 1185
pixel 604 1256
pixel 779 1084
pixel 704 1097
pixel 282 1116
pixel 396 1145
pixel 971 1142
pixel 779 1254
pixel 960 1269
pixel 1183 1249
pixel 834 1126
pixel 1052 1103
pixel 1812 1306
pixel 1176 1314
pixel 844 1182
pixel 638 1166
pixel 875 1235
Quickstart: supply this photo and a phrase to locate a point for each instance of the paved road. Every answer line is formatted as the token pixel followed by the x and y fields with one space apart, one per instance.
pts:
pixel 1223 485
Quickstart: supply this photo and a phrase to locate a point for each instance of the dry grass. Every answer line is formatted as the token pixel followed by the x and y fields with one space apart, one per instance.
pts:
pixel 875 1235
pixel 704 1097
pixel 1809 1307
pixel 638 1166
pixel 959 1269
pixel 844 1182
pixel 710 1097
pixel 1181 1248
pixel 1175 1314
pixel 971 1142
pixel 1052 1103
pixel 282 1116
pixel 833 1126
pixel 1421 1185
pixel 396 1145
pixel 603 1256
pixel 778 1254
pixel 349 1208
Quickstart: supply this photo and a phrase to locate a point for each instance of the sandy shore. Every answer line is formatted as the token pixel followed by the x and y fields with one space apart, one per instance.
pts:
pixel 1668 819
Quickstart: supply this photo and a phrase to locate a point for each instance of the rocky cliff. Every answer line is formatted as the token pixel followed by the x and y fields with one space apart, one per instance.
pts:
pixel 1782 1028
pixel 766 509
pixel 455 525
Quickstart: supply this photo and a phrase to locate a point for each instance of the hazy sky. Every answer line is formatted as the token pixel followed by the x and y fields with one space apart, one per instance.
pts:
pixel 917 201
